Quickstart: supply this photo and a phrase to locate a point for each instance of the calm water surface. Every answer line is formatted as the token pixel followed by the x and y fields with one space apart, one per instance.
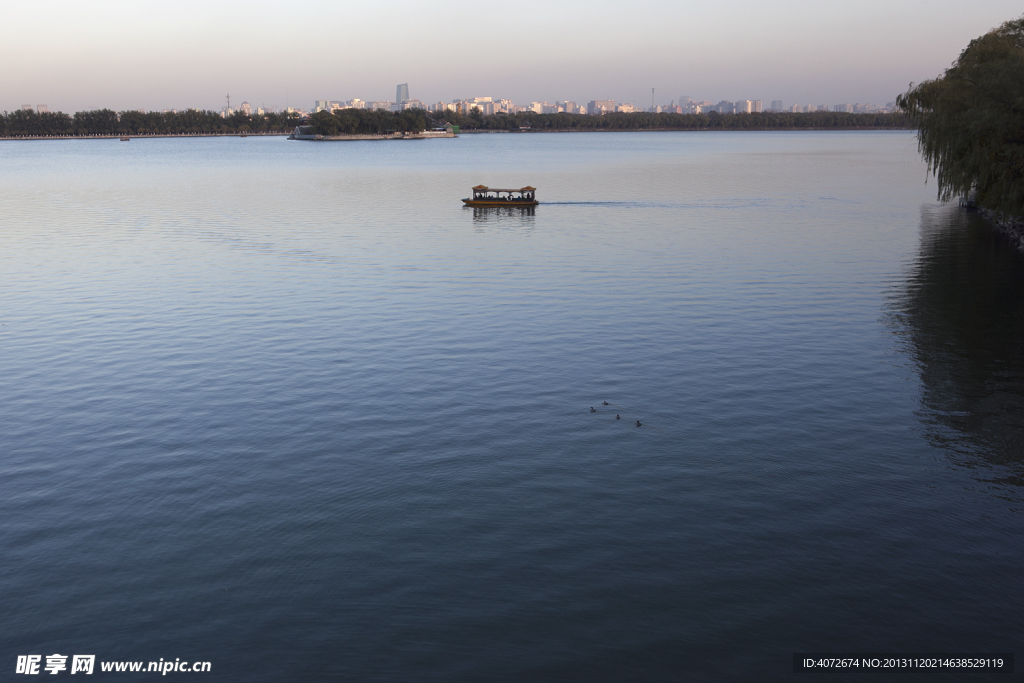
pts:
pixel 291 409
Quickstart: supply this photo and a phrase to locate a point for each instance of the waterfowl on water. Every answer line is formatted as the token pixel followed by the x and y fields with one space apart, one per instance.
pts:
pixel 617 417
pixel 604 403
pixel 638 423
pixel 592 409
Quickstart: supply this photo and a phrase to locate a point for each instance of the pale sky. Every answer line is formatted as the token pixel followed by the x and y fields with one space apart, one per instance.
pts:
pixel 75 55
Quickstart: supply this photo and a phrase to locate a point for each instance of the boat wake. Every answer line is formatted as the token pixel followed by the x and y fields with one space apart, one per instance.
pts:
pixel 621 205
pixel 637 204
pixel 720 205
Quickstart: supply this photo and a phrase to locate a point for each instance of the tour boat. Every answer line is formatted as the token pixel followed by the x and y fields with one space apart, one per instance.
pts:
pixel 493 196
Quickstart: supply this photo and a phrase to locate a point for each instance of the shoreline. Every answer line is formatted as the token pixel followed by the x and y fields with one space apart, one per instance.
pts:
pixel 145 135
pixel 423 135
pixel 462 132
pixel 1008 226
pixel 676 130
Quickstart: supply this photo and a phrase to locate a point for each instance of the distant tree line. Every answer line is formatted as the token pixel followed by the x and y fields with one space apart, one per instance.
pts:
pixel 368 121
pixel 666 121
pixel 970 121
pixel 24 123
pixel 361 121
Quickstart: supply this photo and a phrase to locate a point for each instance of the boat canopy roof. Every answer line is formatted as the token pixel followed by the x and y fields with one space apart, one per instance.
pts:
pixel 484 188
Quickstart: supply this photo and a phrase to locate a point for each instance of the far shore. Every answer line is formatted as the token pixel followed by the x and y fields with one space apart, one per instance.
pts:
pixel 463 132
pixel 145 135
pixel 677 130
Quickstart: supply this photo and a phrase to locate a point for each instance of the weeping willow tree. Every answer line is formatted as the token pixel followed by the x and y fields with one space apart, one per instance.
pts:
pixel 970 121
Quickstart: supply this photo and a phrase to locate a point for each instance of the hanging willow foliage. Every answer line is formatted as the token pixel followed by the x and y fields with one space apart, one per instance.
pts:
pixel 971 121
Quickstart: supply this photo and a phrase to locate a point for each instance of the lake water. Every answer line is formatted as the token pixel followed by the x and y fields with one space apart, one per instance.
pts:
pixel 290 408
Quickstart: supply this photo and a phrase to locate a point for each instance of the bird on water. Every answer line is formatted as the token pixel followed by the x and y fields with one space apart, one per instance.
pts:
pixel 638 423
pixel 617 417
pixel 592 409
pixel 604 403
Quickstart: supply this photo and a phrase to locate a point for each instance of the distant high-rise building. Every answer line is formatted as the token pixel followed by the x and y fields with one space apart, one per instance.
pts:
pixel 402 92
pixel 42 108
pixel 246 108
pixel 27 107
pixel 544 107
pixel 598 107
pixel 778 105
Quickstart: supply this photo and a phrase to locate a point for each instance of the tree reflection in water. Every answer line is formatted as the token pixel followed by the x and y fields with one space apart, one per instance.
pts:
pixel 960 311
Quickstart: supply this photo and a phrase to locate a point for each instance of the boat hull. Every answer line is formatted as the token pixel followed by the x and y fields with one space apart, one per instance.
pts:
pixel 500 202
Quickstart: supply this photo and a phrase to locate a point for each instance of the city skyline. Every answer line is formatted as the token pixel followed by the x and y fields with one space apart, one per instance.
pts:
pixel 111 54
pixel 489 105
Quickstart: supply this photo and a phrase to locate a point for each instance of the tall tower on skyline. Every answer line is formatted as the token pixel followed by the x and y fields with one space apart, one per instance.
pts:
pixel 402 92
